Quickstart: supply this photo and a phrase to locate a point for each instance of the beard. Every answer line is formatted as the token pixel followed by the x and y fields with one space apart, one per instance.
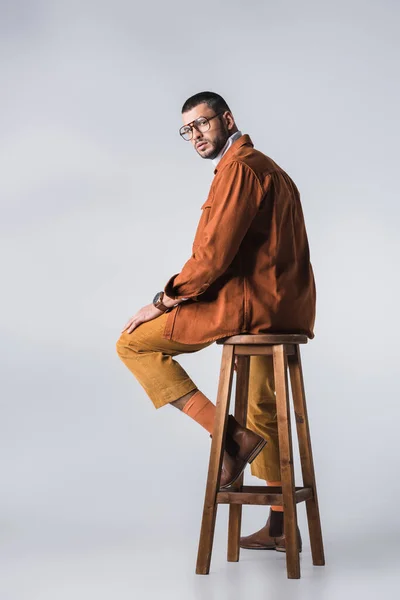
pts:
pixel 217 143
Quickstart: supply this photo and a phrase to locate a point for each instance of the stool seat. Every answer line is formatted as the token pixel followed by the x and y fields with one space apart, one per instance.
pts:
pixel 269 339
pixel 284 348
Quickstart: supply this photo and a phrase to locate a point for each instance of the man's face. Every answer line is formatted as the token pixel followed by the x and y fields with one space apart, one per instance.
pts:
pixel 210 143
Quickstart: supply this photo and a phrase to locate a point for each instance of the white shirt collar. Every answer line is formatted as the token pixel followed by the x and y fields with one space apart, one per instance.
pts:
pixel 228 144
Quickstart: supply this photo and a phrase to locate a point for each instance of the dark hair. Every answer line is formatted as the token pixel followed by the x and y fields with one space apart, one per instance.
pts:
pixel 213 100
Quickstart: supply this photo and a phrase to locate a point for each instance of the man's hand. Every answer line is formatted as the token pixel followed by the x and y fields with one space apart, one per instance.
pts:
pixel 147 313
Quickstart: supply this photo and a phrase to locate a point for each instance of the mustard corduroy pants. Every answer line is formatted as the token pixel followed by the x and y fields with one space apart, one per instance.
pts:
pixel 150 358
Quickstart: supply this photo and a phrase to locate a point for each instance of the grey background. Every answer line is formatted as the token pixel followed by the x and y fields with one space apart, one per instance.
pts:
pixel 99 202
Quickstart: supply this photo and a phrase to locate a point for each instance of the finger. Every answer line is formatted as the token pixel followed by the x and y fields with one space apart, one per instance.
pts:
pixel 127 324
pixel 133 326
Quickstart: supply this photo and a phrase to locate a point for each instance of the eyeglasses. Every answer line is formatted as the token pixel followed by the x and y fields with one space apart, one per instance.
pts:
pixel 202 124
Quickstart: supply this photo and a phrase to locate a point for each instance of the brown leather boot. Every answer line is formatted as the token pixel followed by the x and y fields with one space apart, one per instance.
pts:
pixel 281 543
pixel 271 536
pixel 242 445
pixel 268 536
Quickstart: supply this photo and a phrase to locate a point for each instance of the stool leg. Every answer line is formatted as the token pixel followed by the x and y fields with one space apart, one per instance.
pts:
pixel 235 510
pixel 215 463
pixel 286 462
pixel 306 457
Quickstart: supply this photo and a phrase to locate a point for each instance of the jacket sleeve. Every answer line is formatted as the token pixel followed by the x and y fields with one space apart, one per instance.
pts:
pixel 237 196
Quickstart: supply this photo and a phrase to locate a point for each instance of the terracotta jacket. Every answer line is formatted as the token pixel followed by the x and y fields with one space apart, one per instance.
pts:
pixel 250 267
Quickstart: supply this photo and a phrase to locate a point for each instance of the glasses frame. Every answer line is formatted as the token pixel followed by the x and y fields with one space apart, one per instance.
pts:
pixel 193 126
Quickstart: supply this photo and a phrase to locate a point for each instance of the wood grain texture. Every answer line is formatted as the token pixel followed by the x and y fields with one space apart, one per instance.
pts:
pixel 306 457
pixel 240 413
pixel 257 350
pixel 281 338
pixel 286 462
pixel 260 497
pixel 215 463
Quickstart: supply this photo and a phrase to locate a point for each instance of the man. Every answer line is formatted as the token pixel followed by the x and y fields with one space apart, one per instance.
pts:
pixel 249 271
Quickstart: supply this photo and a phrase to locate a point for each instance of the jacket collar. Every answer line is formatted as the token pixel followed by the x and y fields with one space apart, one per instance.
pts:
pixel 243 140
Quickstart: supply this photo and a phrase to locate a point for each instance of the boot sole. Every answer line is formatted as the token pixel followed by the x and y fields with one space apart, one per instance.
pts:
pixel 256 451
pixel 258 547
pixel 249 547
pixel 250 459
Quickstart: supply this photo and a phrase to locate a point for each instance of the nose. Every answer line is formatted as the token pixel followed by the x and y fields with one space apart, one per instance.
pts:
pixel 196 135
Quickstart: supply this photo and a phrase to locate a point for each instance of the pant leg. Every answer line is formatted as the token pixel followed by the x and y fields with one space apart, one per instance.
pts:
pixel 149 358
pixel 262 417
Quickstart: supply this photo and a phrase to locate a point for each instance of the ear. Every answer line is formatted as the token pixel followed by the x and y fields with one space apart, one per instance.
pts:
pixel 230 121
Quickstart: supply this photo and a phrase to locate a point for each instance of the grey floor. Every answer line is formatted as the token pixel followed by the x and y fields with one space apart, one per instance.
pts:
pixel 86 514
pixel 102 498
pixel 54 560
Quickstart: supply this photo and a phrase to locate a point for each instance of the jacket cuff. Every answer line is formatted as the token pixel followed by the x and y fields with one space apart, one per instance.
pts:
pixel 182 291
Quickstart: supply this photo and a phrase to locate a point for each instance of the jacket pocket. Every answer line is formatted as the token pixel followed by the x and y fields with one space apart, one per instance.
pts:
pixel 204 218
pixel 207 204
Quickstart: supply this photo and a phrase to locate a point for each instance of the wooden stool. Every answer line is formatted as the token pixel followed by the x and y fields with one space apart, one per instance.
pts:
pixel 285 351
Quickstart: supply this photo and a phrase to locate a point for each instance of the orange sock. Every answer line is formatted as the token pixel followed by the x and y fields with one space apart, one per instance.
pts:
pixel 278 484
pixel 201 410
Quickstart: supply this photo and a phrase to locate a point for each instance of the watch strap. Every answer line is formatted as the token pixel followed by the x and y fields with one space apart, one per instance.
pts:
pixel 158 302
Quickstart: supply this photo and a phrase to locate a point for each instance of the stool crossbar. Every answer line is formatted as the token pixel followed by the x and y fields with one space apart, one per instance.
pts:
pixel 285 350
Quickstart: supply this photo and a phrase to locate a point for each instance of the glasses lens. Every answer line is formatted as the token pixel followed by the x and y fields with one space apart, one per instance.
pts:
pixel 202 124
pixel 186 133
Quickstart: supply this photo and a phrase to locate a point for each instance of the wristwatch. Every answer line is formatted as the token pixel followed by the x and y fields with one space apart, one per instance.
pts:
pixel 158 303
